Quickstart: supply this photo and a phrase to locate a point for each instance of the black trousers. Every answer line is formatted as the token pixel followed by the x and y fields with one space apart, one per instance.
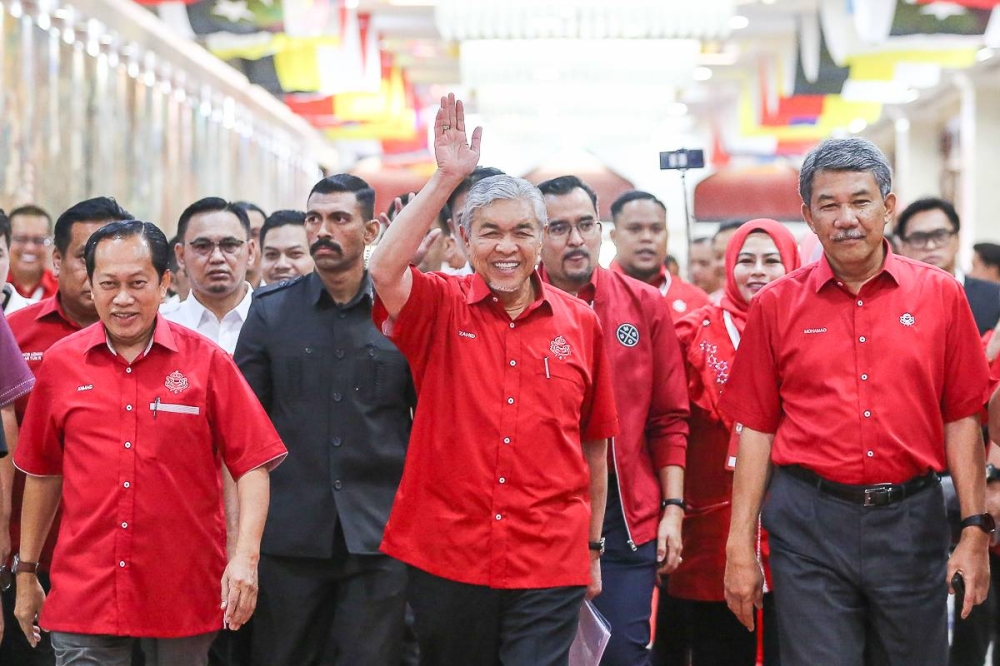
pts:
pixel 628 577
pixel 849 578
pixel 344 611
pixel 472 625
pixel 232 648
pixel 971 637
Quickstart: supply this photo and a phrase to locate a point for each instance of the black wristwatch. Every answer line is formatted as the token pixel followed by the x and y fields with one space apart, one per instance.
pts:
pixel 674 501
pixel 597 546
pixel 992 473
pixel 983 521
pixel 20 566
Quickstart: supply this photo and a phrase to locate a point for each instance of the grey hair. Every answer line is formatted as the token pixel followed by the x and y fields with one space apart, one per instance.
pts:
pixel 850 154
pixel 495 188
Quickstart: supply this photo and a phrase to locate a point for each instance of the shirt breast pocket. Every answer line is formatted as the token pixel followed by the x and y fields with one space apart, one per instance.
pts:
pixel 561 386
pixel 382 374
pixel 300 372
pixel 180 427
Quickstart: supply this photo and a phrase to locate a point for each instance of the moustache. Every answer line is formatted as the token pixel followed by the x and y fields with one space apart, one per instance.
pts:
pixel 849 235
pixel 573 254
pixel 330 245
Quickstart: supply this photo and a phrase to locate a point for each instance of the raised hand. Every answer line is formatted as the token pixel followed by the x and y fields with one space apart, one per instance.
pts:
pixel 455 155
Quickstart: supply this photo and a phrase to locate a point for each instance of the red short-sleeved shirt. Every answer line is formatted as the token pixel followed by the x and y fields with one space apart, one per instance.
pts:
pixel 682 297
pixel 36 328
pixel 648 374
pixel 858 387
pixel 141 547
pixel 495 490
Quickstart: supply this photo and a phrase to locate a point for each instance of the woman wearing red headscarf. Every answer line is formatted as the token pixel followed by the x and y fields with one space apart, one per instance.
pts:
pixel 759 252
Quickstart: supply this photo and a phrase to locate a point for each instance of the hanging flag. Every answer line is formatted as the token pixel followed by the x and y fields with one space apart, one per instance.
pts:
pixel 829 79
pixel 939 18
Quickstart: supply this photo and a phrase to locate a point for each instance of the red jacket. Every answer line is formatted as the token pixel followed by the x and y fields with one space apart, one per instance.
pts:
pixel 650 390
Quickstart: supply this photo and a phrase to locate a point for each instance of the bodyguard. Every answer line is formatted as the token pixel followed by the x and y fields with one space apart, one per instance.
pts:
pixel 340 395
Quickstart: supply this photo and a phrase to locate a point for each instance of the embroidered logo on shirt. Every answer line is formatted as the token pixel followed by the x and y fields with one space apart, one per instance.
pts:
pixel 560 348
pixel 810 331
pixel 906 319
pixel 464 334
pixel 176 382
pixel 679 305
pixel 628 335
pixel 85 387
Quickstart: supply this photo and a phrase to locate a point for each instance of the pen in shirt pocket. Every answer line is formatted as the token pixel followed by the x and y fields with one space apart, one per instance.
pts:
pixel 547 375
pixel 156 406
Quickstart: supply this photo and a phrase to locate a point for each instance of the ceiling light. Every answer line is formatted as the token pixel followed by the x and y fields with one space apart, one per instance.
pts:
pixel 702 73
pixel 984 54
pixel 739 22
pixel 677 109
pixel 912 95
pixel 857 125
pixel 462 20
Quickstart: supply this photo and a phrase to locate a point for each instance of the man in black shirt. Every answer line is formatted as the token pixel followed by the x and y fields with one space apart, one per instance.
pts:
pixel 340 395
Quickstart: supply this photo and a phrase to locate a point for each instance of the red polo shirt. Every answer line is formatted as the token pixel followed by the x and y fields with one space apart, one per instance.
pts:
pixel 36 328
pixel 141 548
pixel 650 392
pixel 496 488
pixel 48 286
pixel 682 297
pixel 858 388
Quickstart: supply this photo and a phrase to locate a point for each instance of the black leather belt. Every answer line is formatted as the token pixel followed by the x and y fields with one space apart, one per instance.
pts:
pixel 880 494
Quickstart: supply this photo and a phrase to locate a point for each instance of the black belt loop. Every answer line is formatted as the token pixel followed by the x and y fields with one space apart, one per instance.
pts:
pixel 879 494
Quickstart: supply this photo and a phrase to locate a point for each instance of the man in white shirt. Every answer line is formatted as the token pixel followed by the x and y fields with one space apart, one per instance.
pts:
pixel 214 249
pixel 9 298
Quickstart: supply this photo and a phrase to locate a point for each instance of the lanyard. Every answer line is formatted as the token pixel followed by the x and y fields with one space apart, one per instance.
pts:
pixel 734 333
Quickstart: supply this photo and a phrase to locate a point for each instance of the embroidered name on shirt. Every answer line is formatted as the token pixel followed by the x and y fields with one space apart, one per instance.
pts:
pixel 464 334
pixel 560 348
pixel 176 382
pixel 32 356
pixel 810 331
pixel 85 387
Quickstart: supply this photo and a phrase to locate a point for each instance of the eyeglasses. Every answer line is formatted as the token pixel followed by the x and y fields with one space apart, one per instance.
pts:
pixel 205 247
pixel 6 578
pixel 921 239
pixel 587 228
pixel 21 239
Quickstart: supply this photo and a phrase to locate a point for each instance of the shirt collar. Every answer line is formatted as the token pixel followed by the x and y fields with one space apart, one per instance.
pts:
pixel 316 290
pixel 199 312
pixel 587 292
pixel 479 291
pixel 823 274
pixel 162 336
pixel 53 306
pixel 658 280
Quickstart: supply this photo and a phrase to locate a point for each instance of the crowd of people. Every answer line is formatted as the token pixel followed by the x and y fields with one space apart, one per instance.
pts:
pixel 264 443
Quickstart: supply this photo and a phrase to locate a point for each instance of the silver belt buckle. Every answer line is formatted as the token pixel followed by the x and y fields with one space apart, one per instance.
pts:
pixel 877 495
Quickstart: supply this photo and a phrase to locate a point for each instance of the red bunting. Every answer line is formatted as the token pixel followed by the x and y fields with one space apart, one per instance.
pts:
pixel 795 110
